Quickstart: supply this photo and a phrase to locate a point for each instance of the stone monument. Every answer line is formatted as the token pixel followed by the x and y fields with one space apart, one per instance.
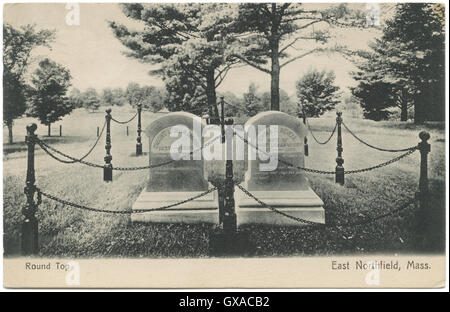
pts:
pixel 178 180
pixel 285 188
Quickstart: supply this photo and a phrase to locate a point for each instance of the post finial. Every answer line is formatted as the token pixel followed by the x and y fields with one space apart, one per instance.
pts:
pixel 339 114
pixel 229 121
pixel 31 128
pixel 108 111
pixel 424 136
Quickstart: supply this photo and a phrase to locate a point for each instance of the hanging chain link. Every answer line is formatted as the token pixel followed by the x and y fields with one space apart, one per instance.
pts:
pixel 409 152
pixel 67 203
pixel 124 122
pixel 47 147
pixel 317 224
pixel 393 160
pixel 314 137
pixel 375 147
pixel 276 210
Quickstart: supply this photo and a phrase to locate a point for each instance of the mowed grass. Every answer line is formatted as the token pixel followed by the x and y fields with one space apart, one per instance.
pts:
pixel 70 232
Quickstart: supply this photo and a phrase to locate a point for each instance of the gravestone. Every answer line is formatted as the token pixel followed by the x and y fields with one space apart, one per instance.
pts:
pixel 179 180
pixel 286 188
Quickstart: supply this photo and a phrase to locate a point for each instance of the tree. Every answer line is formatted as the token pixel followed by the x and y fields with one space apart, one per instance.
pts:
pixel 107 97
pixel 48 100
pixel 410 56
pixel 190 38
pixel 91 100
pixel 316 92
pixel 286 104
pixel 149 97
pixel 153 98
pixel 134 94
pixel 17 47
pixel 273 29
pixel 252 103
pixel 183 92
pixel 76 98
pixel 119 98
pixel 375 99
pixel 376 91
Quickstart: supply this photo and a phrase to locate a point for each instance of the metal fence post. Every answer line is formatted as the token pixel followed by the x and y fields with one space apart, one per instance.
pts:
pixel 98 131
pixel 127 130
pixel 305 140
pixel 229 216
pixel 107 169
pixel 139 130
pixel 339 159
pixel 227 240
pixel 60 130
pixel 423 212
pixel 222 118
pixel 30 223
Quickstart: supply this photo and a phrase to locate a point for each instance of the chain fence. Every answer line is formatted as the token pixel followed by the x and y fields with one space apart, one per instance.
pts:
pixel 318 171
pixel 123 212
pixel 375 147
pixel 124 122
pixel 317 140
pixel 318 224
pixel 47 149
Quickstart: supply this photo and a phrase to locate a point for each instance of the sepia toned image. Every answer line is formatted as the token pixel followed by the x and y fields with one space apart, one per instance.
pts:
pixel 223 145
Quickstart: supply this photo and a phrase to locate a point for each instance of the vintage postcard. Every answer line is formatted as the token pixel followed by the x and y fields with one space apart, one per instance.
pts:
pixel 225 145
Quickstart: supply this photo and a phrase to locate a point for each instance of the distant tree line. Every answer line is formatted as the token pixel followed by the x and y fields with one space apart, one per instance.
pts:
pixel 405 68
pixel 151 98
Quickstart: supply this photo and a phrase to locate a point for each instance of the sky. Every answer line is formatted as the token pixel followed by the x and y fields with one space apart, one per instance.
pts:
pixel 95 57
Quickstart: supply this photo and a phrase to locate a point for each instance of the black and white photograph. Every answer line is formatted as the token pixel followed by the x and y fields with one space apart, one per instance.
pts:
pixel 309 134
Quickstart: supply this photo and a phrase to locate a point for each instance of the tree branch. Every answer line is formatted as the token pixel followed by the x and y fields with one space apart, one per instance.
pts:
pixel 194 76
pixel 300 56
pixel 265 70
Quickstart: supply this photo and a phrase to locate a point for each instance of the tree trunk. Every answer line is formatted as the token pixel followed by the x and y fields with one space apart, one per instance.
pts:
pixel 404 106
pixel 10 133
pixel 419 111
pixel 275 70
pixel 275 81
pixel 404 112
pixel 49 130
pixel 211 96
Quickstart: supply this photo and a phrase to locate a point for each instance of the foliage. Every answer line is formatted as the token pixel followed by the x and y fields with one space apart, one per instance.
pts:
pixel 149 97
pixel 316 92
pixel 14 100
pixel 189 39
pixel 113 97
pixel 50 83
pixel 252 103
pixel 17 46
pixel 91 100
pixel 76 98
pixel 286 104
pixel 153 98
pixel 183 91
pixel 409 61
pixel 271 31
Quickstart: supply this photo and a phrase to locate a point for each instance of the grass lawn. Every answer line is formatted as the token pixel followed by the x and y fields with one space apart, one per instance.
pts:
pixel 69 232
